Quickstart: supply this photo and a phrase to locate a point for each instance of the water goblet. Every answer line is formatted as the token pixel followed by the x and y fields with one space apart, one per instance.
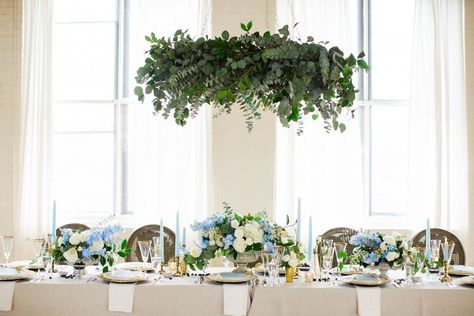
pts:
pixel 435 247
pixel 340 249
pixel 328 256
pixel 47 262
pixel 156 261
pixel 7 246
pixel 274 265
pixel 144 246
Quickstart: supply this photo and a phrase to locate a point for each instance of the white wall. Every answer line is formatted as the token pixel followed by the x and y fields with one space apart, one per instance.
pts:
pixel 242 163
pixel 10 54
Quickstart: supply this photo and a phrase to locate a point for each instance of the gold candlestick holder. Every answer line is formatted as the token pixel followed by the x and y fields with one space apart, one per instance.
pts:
pixel 445 277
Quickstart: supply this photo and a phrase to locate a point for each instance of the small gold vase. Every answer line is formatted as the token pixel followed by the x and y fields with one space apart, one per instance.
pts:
pixel 289 274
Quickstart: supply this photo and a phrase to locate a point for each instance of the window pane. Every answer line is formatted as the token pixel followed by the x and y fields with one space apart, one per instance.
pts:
pixel 389 153
pixel 84 172
pixel 85 10
pixel 391 41
pixel 81 117
pixel 84 61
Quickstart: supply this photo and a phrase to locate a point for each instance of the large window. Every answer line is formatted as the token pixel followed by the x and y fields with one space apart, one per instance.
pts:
pixel 111 154
pixel 359 177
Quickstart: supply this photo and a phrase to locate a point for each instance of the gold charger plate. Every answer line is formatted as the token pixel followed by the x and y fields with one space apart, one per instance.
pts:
pixel 230 277
pixel 25 274
pixel 467 280
pixel 110 278
pixel 367 279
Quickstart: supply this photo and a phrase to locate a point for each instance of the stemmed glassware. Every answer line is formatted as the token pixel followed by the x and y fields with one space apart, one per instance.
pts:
pixel 274 265
pixel 156 259
pixel 47 261
pixel 144 246
pixel 447 249
pixel 328 256
pixel 435 246
pixel 7 246
pixel 339 247
pixel 265 254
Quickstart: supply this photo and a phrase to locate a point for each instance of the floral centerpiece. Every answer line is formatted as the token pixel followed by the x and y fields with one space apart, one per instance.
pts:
pixel 291 252
pixel 229 234
pixel 97 244
pixel 376 248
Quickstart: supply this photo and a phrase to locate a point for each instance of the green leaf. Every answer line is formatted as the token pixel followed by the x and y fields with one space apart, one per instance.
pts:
pixel 342 127
pixel 138 91
pixel 243 27
pixel 124 244
pixel 225 35
pixel 361 55
pixel 249 25
pixel 362 64
pixel 102 261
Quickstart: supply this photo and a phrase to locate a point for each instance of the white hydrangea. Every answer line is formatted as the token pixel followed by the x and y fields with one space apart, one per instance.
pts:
pixel 71 255
pixel 239 233
pixel 234 224
pixel 97 245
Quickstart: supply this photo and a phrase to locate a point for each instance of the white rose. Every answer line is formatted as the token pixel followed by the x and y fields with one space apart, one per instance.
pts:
pixel 248 227
pixel 392 256
pixel 234 224
pixel 71 255
pixel 212 242
pixel 286 258
pixel 383 246
pixel 219 243
pixel 239 233
pixel 239 245
pixel 75 239
pixel 60 240
pixel 249 241
pixel 389 240
pixel 284 240
pixel 84 235
pixel 97 245
pixel 293 263
pixel 195 252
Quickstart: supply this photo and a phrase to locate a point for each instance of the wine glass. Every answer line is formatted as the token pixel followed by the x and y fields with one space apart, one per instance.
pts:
pixel 7 245
pixel 144 246
pixel 339 248
pixel 265 254
pixel 38 246
pixel 274 265
pixel 435 246
pixel 47 261
pixel 328 256
pixel 156 258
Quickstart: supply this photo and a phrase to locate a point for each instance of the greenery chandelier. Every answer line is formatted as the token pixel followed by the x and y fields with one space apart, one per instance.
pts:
pixel 268 72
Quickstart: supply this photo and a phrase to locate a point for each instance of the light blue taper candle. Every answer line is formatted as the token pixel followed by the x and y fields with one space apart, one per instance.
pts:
pixel 428 241
pixel 53 233
pixel 310 240
pixel 162 240
pixel 176 244
pixel 298 222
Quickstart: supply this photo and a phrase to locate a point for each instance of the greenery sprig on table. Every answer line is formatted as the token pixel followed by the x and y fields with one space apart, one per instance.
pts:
pixel 260 72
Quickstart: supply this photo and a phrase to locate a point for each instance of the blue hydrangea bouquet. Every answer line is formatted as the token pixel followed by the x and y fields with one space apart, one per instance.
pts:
pixel 375 248
pixel 100 244
pixel 228 233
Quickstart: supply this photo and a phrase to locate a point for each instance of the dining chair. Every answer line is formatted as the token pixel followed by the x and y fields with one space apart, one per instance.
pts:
pixel 458 258
pixel 147 232
pixel 73 226
pixel 341 234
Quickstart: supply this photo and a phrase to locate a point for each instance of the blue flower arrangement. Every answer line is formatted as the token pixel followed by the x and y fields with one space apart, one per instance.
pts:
pixel 375 248
pixel 98 243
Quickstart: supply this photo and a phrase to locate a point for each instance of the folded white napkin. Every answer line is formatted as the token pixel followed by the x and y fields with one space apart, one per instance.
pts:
pixel 236 299
pixel 121 297
pixel 7 288
pixel 369 301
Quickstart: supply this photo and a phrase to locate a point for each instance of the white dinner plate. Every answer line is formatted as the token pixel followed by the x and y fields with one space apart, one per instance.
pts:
pixel 10 274
pixel 459 270
pixel 135 266
pixel 122 276
pixel 230 277
pixel 467 280
pixel 367 279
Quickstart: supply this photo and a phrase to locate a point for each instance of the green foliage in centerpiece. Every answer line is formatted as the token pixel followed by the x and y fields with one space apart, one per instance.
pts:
pixel 260 72
pixel 228 233
pixel 99 244
pixel 291 254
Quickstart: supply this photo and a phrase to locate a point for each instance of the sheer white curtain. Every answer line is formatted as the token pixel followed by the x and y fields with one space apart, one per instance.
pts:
pixel 324 170
pixel 437 144
pixel 33 208
pixel 167 164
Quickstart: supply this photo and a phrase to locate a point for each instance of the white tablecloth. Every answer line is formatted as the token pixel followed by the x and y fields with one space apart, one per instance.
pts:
pixel 181 296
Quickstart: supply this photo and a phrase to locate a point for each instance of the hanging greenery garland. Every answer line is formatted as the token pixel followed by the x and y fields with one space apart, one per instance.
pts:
pixel 268 72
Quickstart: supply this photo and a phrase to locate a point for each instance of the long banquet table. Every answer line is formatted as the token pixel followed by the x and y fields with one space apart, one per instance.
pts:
pixel 183 296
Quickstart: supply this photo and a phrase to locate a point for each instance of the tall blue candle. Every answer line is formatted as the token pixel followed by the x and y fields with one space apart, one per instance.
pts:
pixel 310 240
pixel 162 241
pixel 176 244
pixel 298 222
pixel 428 241
pixel 53 225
